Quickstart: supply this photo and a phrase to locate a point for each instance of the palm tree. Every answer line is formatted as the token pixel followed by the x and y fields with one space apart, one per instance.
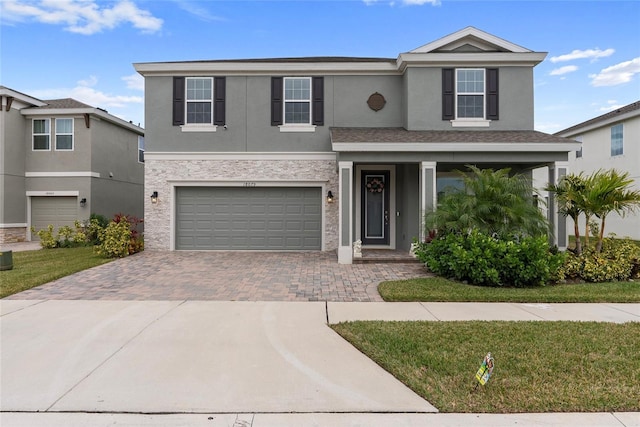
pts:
pixel 569 193
pixel 492 202
pixel 610 191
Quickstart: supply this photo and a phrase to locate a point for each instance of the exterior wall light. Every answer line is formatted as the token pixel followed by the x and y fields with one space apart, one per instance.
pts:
pixel 329 197
pixel 154 197
pixel 83 202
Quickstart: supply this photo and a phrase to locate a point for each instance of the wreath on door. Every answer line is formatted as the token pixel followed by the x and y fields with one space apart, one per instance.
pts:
pixel 375 185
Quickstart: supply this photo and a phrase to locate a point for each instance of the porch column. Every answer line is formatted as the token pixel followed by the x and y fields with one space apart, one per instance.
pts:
pixel 428 192
pixel 345 209
pixel 557 221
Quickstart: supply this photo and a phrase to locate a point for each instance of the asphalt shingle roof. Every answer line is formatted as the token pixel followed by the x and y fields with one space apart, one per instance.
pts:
pixel 610 115
pixel 401 135
pixel 63 103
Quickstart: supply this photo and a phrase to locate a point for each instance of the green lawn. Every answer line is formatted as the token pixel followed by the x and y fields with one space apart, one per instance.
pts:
pixel 539 366
pixel 34 268
pixel 439 289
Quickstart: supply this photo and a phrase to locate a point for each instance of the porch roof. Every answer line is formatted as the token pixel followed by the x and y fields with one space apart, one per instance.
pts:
pixel 397 139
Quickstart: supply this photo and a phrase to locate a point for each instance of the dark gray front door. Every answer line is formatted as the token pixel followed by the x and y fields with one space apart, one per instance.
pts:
pixel 255 218
pixel 375 207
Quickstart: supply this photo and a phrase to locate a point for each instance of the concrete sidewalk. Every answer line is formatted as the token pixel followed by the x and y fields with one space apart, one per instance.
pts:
pixel 214 363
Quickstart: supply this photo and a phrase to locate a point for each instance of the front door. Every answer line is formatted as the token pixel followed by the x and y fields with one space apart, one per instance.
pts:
pixel 375 207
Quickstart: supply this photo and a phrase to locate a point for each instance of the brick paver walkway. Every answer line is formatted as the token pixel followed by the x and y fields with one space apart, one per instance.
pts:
pixel 227 276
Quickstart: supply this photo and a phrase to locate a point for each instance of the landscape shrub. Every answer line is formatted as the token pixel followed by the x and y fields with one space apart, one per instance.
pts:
pixel 47 241
pixel 120 237
pixel 490 261
pixel 618 260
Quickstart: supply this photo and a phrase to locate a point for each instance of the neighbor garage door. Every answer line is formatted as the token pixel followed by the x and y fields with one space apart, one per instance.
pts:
pixel 57 211
pixel 239 218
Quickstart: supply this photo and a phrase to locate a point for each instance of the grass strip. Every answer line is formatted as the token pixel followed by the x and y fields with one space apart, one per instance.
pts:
pixel 539 366
pixel 437 289
pixel 34 268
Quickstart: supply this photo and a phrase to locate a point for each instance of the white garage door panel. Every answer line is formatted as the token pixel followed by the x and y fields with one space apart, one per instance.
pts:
pixel 238 218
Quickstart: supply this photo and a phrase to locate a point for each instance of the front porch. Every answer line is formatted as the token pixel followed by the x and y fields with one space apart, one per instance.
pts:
pixel 385 256
pixel 388 181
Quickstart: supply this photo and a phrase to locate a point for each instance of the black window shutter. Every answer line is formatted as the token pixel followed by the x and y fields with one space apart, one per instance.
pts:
pixel 448 94
pixel 318 101
pixel 276 101
pixel 492 94
pixel 219 92
pixel 178 101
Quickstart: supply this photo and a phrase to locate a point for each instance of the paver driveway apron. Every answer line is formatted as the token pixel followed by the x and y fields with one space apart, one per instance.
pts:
pixel 227 276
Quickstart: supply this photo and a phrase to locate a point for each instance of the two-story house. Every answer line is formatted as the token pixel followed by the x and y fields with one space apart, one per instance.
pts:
pixel 610 141
pixel 61 160
pixel 317 153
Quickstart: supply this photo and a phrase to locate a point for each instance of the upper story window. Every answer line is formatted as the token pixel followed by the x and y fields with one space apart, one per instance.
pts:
pixel 297 100
pixel 64 134
pixel 140 149
pixel 470 96
pixel 470 93
pixel 41 134
pixel 617 145
pixel 199 100
pixel 199 103
pixel 297 103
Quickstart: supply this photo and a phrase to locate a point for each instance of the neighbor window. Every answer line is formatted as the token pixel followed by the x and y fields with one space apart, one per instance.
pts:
pixel 470 93
pixel 199 100
pixel 579 151
pixel 297 100
pixel 64 134
pixel 141 149
pixel 41 134
pixel 617 146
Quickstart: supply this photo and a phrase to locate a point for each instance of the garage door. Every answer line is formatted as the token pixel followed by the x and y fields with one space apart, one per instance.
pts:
pixel 58 211
pixel 258 218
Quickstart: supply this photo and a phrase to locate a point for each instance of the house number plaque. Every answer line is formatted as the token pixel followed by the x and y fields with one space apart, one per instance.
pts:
pixel 249 184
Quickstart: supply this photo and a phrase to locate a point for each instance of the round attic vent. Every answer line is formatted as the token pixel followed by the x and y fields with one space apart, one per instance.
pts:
pixel 376 101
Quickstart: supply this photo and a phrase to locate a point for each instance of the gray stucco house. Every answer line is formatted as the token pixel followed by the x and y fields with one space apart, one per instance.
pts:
pixel 61 160
pixel 316 153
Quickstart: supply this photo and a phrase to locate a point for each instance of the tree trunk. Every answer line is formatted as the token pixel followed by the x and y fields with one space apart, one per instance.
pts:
pixel 587 230
pixel 576 232
pixel 601 237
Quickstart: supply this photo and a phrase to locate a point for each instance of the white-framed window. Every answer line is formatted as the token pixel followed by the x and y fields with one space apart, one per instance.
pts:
pixel 41 134
pixel 140 149
pixel 470 93
pixel 64 134
pixel 579 151
pixel 297 100
pixel 617 140
pixel 199 99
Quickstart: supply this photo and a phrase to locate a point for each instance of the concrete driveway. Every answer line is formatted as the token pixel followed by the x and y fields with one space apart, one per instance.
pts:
pixel 227 276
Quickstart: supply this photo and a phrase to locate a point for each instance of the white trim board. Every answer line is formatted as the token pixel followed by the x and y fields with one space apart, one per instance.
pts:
pixel 61 174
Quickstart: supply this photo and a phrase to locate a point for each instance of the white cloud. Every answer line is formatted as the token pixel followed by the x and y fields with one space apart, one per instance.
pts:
pixel 81 16
pixel 563 70
pixel 592 54
pixel 134 81
pixel 616 74
pixel 197 10
pixel 84 91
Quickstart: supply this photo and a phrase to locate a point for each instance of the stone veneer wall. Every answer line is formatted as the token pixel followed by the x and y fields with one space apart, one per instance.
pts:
pixel 160 174
pixel 13 234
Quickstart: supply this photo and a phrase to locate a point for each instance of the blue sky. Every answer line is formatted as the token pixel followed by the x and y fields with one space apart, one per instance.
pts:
pixel 84 49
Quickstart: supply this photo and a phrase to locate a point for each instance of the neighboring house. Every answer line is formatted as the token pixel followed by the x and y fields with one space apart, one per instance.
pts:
pixel 317 153
pixel 610 141
pixel 61 160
